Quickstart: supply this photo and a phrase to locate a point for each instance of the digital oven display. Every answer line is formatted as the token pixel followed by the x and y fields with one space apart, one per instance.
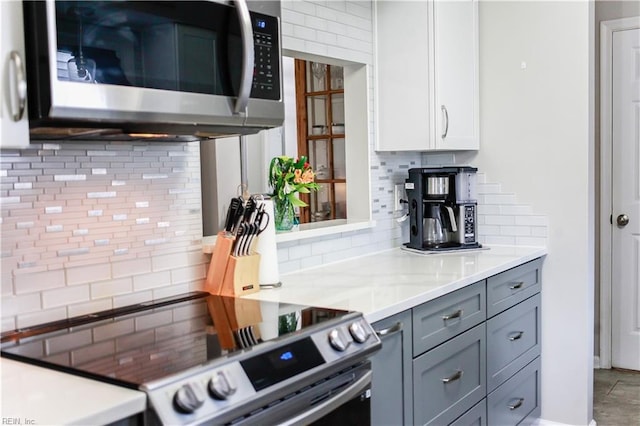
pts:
pixel 282 363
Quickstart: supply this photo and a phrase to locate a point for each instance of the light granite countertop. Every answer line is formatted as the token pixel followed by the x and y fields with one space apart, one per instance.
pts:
pixel 40 396
pixel 382 284
pixel 378 285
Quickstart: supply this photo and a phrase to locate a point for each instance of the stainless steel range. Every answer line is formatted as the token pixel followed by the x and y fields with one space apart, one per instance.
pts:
pixel 217 360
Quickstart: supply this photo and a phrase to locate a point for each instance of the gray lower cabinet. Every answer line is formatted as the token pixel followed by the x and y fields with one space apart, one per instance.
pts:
pixel 470 357
pixel 391 389
pixel 450 379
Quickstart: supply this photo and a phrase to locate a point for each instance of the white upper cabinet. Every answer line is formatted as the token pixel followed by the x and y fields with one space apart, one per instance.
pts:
pixel 426 75
pixel 14 124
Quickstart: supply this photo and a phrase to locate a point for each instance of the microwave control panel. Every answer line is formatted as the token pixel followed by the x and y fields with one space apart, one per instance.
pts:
pixel 266 72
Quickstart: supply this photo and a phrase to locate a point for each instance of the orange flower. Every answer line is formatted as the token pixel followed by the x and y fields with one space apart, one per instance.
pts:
pixel 307 176
pixel 297 176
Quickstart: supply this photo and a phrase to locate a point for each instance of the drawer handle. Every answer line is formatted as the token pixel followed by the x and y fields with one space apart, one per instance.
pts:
pixel 453 378
pixel 517 336
pixel 456 314
pixel 517 404
pixel 516 286
pixel 390 330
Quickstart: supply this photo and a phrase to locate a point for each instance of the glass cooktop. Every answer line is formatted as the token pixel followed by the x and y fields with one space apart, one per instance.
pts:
pixel 136 344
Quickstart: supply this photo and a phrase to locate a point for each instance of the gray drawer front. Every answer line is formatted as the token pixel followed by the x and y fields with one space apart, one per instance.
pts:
pixel 513 341
pixel 513 286
pixel 477 416
pixel 467 306
pixel 518 399
pixel 436 402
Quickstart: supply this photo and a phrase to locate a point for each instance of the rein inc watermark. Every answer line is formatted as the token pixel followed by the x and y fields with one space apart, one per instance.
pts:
pixel 17 421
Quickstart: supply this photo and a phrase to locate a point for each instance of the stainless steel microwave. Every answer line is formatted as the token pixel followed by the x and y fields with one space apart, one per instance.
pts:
pixel 163 68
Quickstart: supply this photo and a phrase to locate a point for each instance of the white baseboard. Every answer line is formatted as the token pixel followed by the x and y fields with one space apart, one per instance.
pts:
pixel 596 361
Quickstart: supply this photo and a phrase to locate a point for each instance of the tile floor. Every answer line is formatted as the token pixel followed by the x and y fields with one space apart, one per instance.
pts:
pixel 616 397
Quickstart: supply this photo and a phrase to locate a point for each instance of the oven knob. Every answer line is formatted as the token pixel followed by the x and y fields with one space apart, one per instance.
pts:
pixel 189 397
pixel 221 386
pixel 358 332
pixel 337 340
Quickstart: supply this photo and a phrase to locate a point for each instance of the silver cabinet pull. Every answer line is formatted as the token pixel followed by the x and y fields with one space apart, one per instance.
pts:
pixel 622 220
pixel 390 330
pixel 456 314
pixel 516 336
pixel 20 86
pixel 246 76
pixel 457 376
pixel 516 286
pixel 446 121
pixel 517 404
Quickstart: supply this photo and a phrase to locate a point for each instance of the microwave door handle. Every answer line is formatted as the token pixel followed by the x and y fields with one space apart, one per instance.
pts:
pixel 246 77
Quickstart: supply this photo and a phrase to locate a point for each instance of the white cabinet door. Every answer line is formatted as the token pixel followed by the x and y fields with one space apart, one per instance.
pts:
pixel 403 82
pixel 456 74
pixel 13 134
pixel 426 63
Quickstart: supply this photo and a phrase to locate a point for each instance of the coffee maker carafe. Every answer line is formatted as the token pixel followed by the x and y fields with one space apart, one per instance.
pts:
pixel 442 208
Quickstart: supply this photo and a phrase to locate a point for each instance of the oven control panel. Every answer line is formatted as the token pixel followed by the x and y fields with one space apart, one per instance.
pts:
pixel 256 379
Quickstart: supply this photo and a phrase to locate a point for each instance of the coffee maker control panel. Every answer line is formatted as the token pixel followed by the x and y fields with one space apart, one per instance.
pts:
pixel 468 221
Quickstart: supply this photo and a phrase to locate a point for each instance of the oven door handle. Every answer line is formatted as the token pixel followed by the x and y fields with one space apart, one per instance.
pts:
pixel 326 407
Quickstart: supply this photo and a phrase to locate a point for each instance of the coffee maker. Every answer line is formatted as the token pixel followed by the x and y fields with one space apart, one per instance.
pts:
pixel 442 208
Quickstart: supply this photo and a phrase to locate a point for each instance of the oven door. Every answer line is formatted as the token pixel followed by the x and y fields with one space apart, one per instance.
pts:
pixel 344 399
pixel 189 63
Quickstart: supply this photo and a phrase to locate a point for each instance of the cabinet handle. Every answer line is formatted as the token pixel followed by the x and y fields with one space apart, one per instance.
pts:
pixel 456 314
pixel 517 404
pixel 21 86
pixel 517 336
pixel 246 75
pixel 390 330
pixel 446 121
pixel 453 378
pixel 516 286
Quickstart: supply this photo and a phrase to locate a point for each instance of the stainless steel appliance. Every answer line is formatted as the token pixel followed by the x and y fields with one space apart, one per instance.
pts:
pixel 442 208
pixel 204 359
pixel 102 69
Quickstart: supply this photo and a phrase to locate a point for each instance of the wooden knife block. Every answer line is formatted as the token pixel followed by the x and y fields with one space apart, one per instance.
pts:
pixel 230 275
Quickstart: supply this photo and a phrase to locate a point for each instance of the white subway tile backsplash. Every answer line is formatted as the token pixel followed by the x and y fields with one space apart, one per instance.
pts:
pixel 128 268
pixel 111 288
pixel 88 274
pixel 516 209
pixel 189 274
pixel 65 296
pixel 533 220
pixel 152 280
pixel 498 240
pixel 69 178
pixel 15 305
pixel 35 282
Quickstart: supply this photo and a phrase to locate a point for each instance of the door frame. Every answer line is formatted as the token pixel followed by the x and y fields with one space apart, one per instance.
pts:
pixel 607 29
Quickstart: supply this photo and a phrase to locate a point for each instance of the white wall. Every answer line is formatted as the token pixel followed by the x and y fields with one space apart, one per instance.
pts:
pixel 536 136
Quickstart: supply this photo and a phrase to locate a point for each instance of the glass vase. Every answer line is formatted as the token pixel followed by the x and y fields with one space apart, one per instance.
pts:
pixel 285 215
